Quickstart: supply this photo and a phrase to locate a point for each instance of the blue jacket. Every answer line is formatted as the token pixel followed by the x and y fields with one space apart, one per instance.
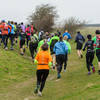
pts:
pixel 12 30
pixel 67 34
pixel 8 28
pixel 60 48
pixel 79 37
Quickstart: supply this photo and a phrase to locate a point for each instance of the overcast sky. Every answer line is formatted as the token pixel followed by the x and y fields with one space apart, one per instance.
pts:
pixel 19 10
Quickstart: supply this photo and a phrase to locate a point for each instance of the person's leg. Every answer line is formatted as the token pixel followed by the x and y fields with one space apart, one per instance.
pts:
pixel 99 65
pixel 54 61
pixel 44 77
pixel 3 40
pixel 15 36
pixel 11 42
pixel 91 60
pixel 21 47
pixel 6 40
pixel 0 39
pixel 98 57
pixel 65 62
pixel 78 53
pixel 88 63
pixel 31 48
pixel 27 40
pixel 60 61
pixel 16 40
pixel 38 74
pixel 81 55
pixel 62 58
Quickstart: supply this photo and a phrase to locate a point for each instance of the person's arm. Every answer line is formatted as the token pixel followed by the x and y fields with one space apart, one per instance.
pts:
pixel 84 46
pixel 76 38
pixel 10 27
pixel 66 48
pixel 70 36
pixel 83 38
pixel 36 58
pixel 54 49
pixel 69 48
pixel 50 61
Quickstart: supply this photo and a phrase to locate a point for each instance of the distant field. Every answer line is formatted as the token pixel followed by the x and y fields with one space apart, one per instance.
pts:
pixel 89 30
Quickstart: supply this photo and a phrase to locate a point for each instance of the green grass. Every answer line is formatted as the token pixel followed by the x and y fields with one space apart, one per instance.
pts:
pixel 18 79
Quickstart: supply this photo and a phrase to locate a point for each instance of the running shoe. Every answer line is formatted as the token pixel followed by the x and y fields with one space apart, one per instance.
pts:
pixel 39 93
pixel 93 69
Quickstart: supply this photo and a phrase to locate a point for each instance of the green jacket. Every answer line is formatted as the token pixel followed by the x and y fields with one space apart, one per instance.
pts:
pixel 40 44
pixel 94 39
pixel 68 45
pixel 54 38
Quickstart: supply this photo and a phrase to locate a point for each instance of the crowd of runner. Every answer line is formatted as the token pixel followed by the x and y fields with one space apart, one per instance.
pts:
pixel 48 49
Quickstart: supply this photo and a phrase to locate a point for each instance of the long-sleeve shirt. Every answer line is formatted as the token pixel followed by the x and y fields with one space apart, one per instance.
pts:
pixel 67 34
pixel 89 46
pixel 43 58
pixel 60 48
pixel 4 28
pixel 68 45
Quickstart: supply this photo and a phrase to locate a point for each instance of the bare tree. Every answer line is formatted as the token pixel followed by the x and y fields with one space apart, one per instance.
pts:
pixel 72 24
pixel 43 17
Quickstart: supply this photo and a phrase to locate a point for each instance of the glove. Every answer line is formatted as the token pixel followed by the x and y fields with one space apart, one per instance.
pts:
pixel 35 61
pixel 50 64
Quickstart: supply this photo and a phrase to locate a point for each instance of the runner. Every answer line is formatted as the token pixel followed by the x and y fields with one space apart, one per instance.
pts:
pixel 96 40
pixel 22 37
pixel 4 28
pixel 41 33
pixel 28 34
pixel 67 34
pixel 33 45
pixel 16 33
pixel 22 27
pixel 12 33
pixel 90 54
pixel 0 36
pixel 79 41
pixel 42 42
pixel 60 50
pixel 43 59
pixel 53 41
pixel 69 51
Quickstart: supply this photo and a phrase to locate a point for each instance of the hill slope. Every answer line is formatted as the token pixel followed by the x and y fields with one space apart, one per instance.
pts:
pixel 18 79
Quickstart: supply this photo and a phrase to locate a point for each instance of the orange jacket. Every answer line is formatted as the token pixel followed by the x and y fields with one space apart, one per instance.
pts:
pixel 43 58
pixel 4 28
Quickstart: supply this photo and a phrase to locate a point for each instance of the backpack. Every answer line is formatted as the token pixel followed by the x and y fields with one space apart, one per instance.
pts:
pixel 98 41
pixel 42 33
pixel 52 44
pixel 80 39
pixel 90 47
pixel 5 27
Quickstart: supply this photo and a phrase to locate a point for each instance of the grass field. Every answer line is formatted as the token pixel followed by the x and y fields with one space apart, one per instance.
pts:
pixel 18 79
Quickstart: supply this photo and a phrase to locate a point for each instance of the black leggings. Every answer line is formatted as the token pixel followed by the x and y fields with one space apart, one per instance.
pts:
pixel 41 78
pixel 32 48
pixel 60 60
pixel 12 39
pixel 27 39
pixel 65 61
pixel 89 60
pixel 4 39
